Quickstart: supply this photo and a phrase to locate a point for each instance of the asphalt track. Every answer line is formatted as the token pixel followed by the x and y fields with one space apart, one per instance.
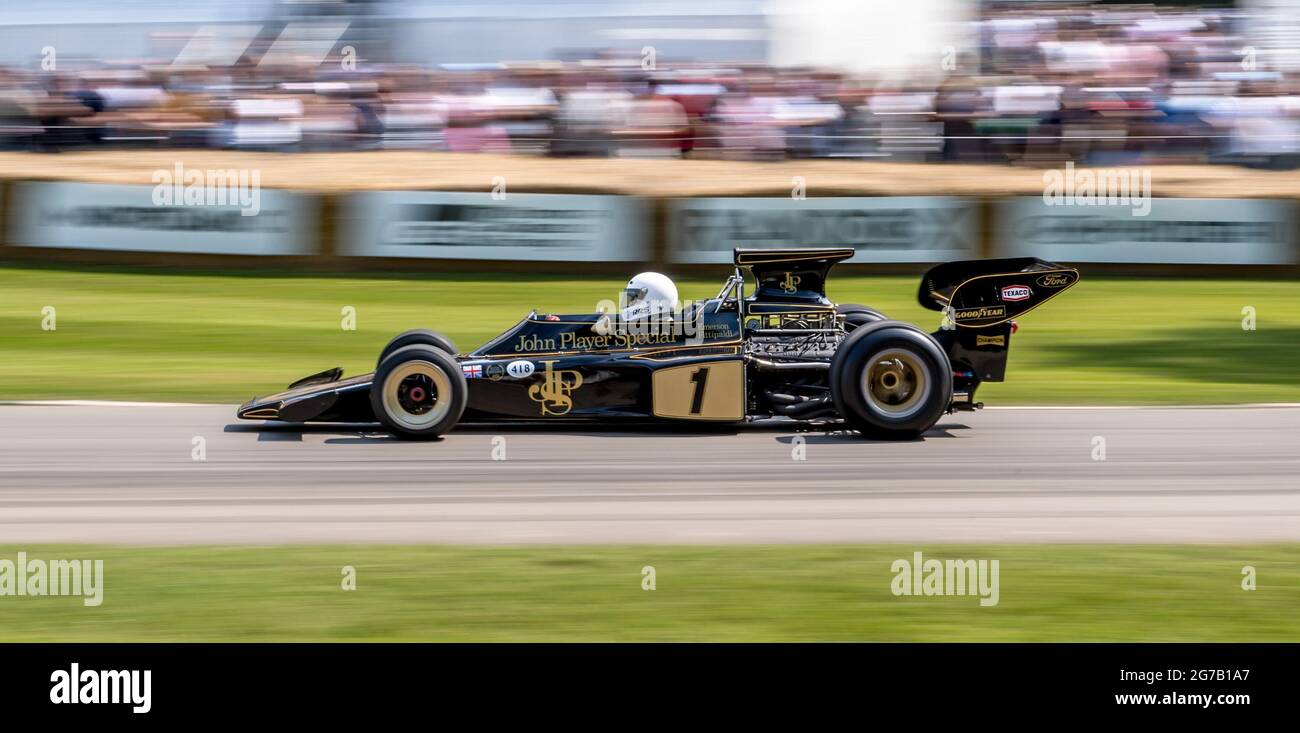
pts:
pixel 128 474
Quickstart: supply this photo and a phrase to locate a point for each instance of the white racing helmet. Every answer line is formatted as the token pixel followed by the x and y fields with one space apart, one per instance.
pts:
pixel 648 294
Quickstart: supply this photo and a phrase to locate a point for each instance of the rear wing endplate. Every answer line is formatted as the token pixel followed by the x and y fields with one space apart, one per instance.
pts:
pixel 984 293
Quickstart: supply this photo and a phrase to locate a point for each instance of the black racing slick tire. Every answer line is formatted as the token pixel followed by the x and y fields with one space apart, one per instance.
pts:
pixel 417 336
pixel 891 381
pixel 419 392
pixel 858 315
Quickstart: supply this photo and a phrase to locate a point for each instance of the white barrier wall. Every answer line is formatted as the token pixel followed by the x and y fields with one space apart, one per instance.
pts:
pixel 127 218
pixel 527 227
pixel 881 229
pixel 1174 231
pixel 477 226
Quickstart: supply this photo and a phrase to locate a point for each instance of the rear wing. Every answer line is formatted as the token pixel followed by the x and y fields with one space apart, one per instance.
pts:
pixel 984 293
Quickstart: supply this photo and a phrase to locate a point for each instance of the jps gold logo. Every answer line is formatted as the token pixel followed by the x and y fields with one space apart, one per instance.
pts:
pixel 791 282
pixel 553 391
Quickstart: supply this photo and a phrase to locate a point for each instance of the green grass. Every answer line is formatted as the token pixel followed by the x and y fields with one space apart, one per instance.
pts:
pixel 731 593
pixel 225 337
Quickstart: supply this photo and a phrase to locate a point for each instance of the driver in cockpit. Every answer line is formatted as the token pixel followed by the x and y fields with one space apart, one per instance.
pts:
pixel 648 295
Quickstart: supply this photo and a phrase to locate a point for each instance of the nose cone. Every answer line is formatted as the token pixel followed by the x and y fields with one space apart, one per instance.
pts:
pixel 259 408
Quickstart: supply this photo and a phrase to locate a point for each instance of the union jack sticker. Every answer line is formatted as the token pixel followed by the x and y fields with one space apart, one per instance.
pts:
pixel 472 371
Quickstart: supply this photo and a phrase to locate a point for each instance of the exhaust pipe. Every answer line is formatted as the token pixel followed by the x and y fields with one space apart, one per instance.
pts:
pixel 800 408
pixel 766 365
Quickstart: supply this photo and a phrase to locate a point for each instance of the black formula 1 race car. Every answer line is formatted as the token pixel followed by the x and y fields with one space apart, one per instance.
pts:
pixel 783 352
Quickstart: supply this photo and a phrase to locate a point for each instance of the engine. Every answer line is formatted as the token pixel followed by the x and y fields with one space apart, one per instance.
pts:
pixel 794 336
pixel 788 355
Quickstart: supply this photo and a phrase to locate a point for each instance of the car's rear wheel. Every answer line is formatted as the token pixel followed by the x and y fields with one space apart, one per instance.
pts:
pixel 419 392
pixel 856 315
pixel 416 336
pixel 891 380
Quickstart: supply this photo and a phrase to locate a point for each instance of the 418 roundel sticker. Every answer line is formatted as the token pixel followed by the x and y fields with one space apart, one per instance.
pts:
pixel 520 369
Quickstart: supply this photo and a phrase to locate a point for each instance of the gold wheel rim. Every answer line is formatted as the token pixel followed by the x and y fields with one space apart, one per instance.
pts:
pixel 417 410
pixel 895 383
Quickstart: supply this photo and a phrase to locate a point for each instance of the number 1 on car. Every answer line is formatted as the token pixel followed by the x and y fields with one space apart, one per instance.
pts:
pixel 699 378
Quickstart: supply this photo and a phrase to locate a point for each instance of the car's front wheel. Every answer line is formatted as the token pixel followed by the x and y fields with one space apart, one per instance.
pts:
pixel 891 380
pixel 416 336
pixel 419 392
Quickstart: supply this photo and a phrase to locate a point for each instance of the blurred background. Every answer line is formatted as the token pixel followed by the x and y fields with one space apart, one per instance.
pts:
pixel 635 134
pixel 956 80
pixel 631 135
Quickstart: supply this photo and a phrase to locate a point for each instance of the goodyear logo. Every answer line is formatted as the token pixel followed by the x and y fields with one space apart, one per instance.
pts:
pixel 984 311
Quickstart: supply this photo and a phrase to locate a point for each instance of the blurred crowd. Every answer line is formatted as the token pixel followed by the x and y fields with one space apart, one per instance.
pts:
pixel 1122 84
pixel 1038 84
